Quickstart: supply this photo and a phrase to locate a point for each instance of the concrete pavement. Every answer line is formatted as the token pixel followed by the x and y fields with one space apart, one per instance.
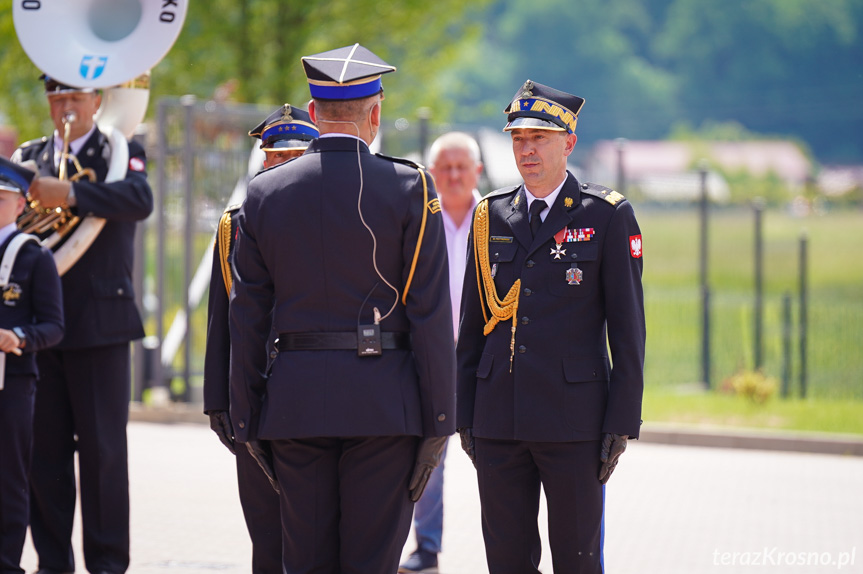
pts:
pixel 670 510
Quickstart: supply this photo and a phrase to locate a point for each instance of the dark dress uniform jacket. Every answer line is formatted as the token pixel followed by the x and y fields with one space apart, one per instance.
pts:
pixel 562 386
pixel 303 247
pixel 31 300
pixel 98 297
pixel 217 358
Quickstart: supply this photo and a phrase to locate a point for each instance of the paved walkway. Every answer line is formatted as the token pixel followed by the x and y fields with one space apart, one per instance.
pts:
pixel 670 510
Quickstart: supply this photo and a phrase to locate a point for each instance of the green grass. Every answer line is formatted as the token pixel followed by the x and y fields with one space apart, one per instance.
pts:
pixel 673 300
pixel 666 404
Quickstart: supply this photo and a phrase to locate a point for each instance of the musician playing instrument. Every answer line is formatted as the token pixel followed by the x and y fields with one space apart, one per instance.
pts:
pixel 82 400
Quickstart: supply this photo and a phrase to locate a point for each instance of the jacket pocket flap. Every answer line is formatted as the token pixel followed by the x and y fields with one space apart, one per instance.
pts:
pixel 580 251
pixel 584 369
pixel 501 252
pixel 113 288
pixel 483 370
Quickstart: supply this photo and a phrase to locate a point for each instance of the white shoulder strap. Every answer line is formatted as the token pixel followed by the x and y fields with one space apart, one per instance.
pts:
pixel 8 260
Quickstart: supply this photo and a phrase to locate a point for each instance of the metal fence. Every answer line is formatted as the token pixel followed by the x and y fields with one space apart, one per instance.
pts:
pixel 202 158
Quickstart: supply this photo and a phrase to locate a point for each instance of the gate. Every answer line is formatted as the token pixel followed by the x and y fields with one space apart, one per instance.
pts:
pixel 203 160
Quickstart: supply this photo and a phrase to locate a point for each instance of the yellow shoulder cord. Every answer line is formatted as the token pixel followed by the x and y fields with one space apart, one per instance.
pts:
pixel 419 239
pixel 223 240
pixel 501 310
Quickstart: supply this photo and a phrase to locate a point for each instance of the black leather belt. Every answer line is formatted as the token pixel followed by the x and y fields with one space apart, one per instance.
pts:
pixel 337 341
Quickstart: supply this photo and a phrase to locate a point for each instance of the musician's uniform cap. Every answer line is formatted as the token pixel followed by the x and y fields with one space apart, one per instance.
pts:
pixel 13 177
pixel 541 107
pixel 287 128
pixel 53 86
pixel 348 73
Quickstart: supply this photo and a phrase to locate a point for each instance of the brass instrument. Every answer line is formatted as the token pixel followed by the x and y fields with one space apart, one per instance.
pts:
pixel 44 223
pixel 109 45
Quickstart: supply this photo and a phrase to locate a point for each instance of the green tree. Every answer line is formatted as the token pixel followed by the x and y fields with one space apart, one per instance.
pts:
pixel 250 50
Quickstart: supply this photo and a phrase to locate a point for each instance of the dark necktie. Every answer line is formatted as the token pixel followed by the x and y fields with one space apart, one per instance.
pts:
pixel 535 221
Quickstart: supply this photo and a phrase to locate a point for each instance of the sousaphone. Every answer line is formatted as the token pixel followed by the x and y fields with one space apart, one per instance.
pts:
pixel 101 44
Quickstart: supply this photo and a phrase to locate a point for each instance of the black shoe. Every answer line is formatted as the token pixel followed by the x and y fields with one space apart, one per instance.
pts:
pixel 49 571
pixel 420 561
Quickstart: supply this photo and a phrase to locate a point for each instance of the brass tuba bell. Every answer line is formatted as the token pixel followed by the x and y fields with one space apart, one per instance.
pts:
pixel 109 45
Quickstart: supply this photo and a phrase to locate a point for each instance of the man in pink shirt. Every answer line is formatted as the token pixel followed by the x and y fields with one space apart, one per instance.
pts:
pixel 454 160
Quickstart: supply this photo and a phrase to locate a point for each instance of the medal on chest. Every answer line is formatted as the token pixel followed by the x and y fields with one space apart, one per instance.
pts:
pixel 574 275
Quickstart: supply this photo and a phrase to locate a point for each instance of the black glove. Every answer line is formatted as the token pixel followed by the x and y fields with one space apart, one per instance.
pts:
pixel 467 445
pixel 428 457
pixel 263 455
pixel 613 446
pixel 220 422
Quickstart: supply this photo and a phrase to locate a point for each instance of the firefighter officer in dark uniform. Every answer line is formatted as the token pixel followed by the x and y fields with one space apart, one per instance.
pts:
pixel 82 400
pixel 31 318
pixel 553 280
pixel 284 135
pixel 343 253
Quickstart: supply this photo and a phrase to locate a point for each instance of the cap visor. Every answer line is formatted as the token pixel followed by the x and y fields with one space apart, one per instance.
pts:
pixel 282 145
pixel 6 186
pixel 535 123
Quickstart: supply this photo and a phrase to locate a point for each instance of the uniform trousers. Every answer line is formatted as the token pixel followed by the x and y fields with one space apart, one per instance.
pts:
pixel 261 510
pixel 510 474
pixel 16 445
pixel 82 403
pixel 345 502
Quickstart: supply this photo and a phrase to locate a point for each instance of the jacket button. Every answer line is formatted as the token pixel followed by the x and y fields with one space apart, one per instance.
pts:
pixel 273 354
pixel 525 320
pixel 496 256
pixel 242 424
pixel 529 263
pixel 527 292
pixel 574 256
pixel 522 349
pixel 120 291
pixel 441 418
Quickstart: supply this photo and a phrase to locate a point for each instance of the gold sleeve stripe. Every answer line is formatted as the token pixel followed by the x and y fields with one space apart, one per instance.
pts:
pixel 223 240
pixel 434 205
pixel 419 239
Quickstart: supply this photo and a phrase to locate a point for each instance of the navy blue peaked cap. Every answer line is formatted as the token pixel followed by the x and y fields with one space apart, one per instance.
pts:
pixel 287 128
pixel 13 177
pixel 542 107
pixel 347 73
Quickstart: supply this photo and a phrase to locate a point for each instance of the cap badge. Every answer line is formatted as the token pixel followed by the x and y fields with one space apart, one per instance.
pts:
pixel 527 89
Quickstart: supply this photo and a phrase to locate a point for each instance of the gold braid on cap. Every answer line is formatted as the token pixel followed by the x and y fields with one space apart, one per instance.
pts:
pixel 223 241
pixel 501 310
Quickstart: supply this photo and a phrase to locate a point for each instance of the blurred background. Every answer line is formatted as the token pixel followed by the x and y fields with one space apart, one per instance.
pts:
pixel 733 128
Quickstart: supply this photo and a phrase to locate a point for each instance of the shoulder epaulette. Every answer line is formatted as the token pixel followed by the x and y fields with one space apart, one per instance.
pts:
pixel 401 160
pixel 602 192
pixel 223 243
pixel 501 191
pixel 233 208
pixel 43 139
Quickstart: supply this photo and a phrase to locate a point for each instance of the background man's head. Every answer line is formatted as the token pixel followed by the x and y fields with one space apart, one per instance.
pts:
pixel 454 161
